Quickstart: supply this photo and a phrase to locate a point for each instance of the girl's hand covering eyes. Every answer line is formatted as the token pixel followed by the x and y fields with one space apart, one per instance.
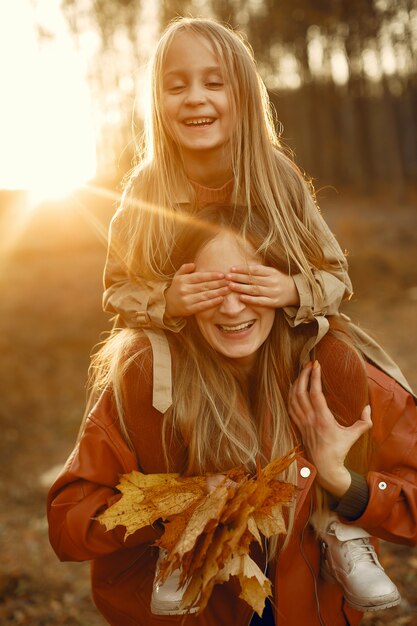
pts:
pixel 260 285
pixel 325 441
pixel 192 292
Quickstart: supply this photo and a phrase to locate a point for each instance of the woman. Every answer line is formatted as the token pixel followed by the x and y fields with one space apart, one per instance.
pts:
pixel 233 366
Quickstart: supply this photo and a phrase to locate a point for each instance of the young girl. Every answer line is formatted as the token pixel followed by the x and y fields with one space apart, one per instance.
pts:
pixel 210 138
pixel 238 359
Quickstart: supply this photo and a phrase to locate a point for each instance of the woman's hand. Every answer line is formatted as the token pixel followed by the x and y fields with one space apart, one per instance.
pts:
pixel 191 292
pixel 325 440
pixel 215 480
pixel 260 285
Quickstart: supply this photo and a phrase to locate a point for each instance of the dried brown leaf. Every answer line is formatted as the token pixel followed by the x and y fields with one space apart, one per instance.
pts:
pixel 209 509
pixel 272 523
pixel 208 536
pixel 277 466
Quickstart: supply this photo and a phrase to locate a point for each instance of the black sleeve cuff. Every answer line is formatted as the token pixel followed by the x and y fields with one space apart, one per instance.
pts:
pixel 353 504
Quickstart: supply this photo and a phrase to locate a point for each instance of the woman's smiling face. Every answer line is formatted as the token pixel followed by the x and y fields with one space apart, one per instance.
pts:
pixel 235 329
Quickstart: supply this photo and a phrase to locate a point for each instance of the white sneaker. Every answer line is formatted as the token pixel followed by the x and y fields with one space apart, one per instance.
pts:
pixel 350 560
pixel 167 597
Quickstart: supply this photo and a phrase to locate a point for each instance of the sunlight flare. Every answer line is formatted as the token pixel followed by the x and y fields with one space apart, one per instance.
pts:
pixel 46 126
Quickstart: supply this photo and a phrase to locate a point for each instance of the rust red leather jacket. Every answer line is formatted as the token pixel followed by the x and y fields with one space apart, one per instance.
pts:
pixel 123 572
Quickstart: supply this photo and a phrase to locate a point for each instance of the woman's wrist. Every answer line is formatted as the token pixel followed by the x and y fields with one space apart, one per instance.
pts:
pixel 354 502
pixel 337 482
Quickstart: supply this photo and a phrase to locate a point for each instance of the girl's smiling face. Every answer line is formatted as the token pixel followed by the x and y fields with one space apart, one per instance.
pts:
pixel 195 99
pixel 235 329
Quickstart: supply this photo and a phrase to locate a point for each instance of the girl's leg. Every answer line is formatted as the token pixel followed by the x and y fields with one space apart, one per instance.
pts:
pixel 350 560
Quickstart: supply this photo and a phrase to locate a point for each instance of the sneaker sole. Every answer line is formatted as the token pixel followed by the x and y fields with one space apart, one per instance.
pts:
pixel 156 610
pixel 374 607
pixel 394 601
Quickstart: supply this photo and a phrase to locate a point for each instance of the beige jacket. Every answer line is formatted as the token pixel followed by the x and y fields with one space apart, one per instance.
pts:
pixel 141 303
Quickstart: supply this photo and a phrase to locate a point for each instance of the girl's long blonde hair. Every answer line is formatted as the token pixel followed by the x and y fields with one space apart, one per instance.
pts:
pixel 266 180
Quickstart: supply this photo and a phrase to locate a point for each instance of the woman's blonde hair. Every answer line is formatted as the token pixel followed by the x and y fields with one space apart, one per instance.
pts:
pixel 221 417
pixel 266 180
pixel 219 414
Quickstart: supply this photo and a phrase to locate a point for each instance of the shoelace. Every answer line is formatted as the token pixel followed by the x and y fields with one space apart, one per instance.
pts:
pixel 362 550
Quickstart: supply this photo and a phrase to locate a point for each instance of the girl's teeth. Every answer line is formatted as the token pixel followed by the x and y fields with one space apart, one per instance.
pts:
pixel 234 329
pixel 203 122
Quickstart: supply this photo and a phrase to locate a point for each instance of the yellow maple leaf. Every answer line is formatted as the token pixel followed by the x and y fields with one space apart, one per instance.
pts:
pixel 253 529
pixel 149 497
pixel 271 523
pixel 255 586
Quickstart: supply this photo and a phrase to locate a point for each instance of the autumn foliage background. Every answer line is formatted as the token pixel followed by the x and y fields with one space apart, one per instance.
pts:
pixel 358 141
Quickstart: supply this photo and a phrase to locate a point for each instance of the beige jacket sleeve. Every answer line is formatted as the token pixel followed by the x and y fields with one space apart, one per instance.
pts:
pixel 334 285
pixel 139 302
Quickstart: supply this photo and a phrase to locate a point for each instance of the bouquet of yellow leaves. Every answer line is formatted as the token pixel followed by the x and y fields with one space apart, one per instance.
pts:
pixel 207 536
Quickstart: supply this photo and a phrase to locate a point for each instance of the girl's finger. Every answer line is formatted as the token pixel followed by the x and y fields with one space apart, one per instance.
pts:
pixel 208 288
pixel 209 294
pixel 243 278
pixel 186 268
pixel 251 270
pixel 190 287
pixel 205 277
pixel 204 305
pixel 258 300
pixel 253 290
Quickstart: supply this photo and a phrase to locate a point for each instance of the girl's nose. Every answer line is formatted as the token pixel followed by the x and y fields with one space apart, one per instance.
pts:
pixel 232 304
pixel 195 94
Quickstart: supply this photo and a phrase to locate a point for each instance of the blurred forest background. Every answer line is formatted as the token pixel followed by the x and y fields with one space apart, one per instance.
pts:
pixel 341 73
pixel 343 77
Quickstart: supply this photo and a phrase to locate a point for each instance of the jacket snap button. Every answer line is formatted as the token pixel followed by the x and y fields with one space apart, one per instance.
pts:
pixel 305 472
pixel 382 485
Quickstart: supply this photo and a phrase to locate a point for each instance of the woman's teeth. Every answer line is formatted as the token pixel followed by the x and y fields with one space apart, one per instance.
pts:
pixel 237 328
